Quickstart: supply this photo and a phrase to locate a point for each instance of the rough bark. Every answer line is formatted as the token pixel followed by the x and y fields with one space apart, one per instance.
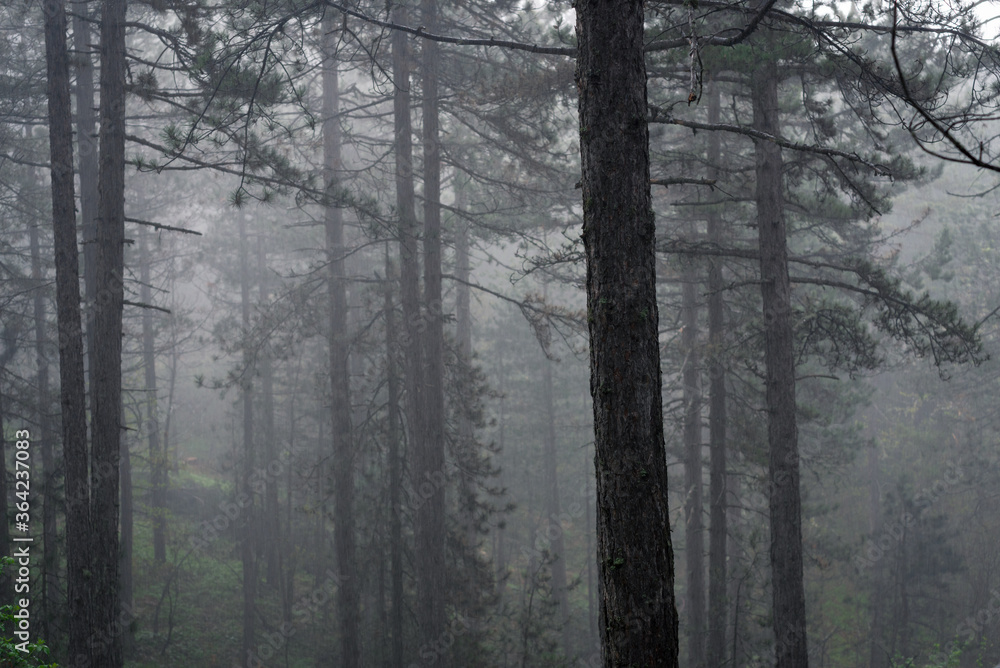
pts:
pixel 694 526
pixel 126 571
pixel 789 611
pixel 246 521
pixel 717 548
pixel 340 378
pixel 395 471
pixel 106 365
pixel 638 620
pixel 44 442
pixel 157 456
pixel 71 374
pixel 428 461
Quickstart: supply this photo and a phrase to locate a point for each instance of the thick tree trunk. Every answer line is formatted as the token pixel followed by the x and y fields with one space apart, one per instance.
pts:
pixel 694 529
pixel 430 531
pixel 106 365
pixel 44 441
pixel 157 456
pixel 638 620
pixel 245 493
pixel 340 377
pixel 395 471
pixel 717 571
pixel 71 374
pixel 783 459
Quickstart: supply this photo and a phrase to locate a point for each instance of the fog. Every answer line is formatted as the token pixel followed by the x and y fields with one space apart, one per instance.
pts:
pixel 492 334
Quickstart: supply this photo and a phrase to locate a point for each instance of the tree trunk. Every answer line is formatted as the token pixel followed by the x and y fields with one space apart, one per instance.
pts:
pixel 409 280
pixel 463 344
pixel 717 571
pixel 271 518
pixel 430 532
pixel 783 459
pixel 694 530
pixel 71 374
pixel 638 620
pixel 106 365
pixel 245 493
pixel 395 470
pixel 340 377
pixel 44 441
pixel 157 457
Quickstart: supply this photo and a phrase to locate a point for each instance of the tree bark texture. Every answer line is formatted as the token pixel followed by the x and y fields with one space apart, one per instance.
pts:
pixel 783 460
pixel 340 378
pixel 106 365
pixel 71 373
pixel 246 523
pixel 638 620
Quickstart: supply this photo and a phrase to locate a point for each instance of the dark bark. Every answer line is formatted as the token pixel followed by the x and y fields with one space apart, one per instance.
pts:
pixel 340 378
pixel 717 548
pixel 789 612
pixel 429 529
pixel 463 344
pixel 44 442
pixel 638 620
pixel 106 364
pixel 246 522
pixel 71 374
pixel 878 657
pixel 395 471
pixel 694 529
pixel 157 455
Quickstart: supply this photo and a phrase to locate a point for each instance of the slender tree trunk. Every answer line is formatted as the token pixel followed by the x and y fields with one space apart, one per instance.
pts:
pixel 343 441
pixel 409 274
pixel 430 531
pixel 106 365
pixel 717 582
pixel 157 457
pixel 638 620
pixel 44 441
pixel 272 537
pixel 71 374
pixel 247 524
pixel 783 459
pixel 463 342
pixel 395 470
pixel 694 530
